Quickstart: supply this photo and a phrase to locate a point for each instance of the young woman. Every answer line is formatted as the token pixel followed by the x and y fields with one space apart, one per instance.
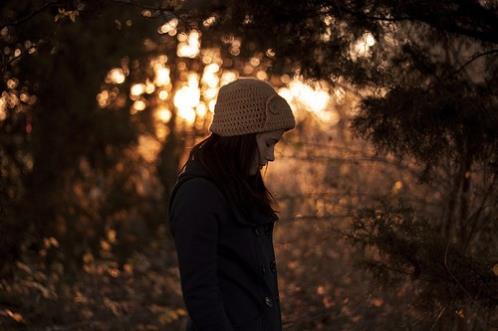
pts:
pixel 221 215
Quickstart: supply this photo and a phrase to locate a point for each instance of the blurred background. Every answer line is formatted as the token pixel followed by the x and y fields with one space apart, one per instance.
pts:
pixel 387 188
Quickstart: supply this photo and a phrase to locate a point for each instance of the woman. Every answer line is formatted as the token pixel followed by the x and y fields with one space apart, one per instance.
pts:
pixel 221 216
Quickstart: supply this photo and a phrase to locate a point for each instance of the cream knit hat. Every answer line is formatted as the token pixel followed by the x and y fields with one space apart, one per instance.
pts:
pixel 249 105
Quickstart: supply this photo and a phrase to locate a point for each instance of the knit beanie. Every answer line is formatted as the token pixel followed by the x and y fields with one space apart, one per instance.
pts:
pixel 249 105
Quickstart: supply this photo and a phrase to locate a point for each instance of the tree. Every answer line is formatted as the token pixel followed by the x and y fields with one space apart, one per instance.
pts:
pixel 429 69
pixel 55 57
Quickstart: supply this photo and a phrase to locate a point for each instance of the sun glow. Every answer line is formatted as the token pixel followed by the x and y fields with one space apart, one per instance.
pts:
pixel 189 45
pixel 162 75
pixel 169 27
pixel 116 76
pixel 148 147
pixel 191 99
pixel 3 109
pixel 314 99
pixel 187 98
pixel 361 48
pixel 137 89
pixel 163 114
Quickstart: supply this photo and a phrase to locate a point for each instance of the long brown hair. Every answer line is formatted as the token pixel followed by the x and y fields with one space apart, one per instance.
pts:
pixel 227 160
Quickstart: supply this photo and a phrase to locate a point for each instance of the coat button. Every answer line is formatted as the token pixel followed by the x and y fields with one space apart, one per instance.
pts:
pixel 268 302
pixel 263 269
pixel 273 266
pixel 257 231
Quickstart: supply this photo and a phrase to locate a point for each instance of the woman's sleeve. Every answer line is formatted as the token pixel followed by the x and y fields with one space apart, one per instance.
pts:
pixel 194 218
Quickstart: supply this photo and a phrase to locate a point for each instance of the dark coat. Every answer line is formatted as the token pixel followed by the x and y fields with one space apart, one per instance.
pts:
pixel 227 262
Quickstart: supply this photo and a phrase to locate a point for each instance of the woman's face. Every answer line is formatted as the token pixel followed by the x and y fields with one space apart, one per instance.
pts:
pixel 266 142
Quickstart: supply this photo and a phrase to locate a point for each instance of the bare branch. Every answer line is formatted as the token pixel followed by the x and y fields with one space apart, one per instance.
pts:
pixel 142 6
pixel 30 15
pixel 472 59
pixel 312 218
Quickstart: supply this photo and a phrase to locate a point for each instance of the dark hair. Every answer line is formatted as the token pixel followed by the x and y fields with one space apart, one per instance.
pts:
pixel 227 160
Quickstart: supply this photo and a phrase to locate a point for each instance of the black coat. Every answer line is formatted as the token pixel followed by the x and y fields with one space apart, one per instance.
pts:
pixel 227 262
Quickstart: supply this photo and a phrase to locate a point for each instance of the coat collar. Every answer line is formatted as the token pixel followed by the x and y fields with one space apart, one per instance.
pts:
pixel 194 168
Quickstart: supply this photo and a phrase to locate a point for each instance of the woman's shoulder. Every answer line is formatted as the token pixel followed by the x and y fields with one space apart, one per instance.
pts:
pixel 196 205
pixel 196 190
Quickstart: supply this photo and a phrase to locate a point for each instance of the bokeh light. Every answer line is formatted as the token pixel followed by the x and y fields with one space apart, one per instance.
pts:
pixel 361 48
pixel 116 76
pixel 189 45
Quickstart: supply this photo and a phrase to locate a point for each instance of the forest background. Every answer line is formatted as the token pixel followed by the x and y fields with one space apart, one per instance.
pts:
pixel 387 188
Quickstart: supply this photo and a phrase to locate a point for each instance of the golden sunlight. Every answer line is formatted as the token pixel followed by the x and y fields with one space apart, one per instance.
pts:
pixel 103 99
pixel 201 109
pixel 189 46
pixel 162 75
pixel 316 100
pixel 116 76
pixel 327 34
pixel 163 95
pixel 361 48
pixel 187 98
pixel 149 87
pixel 228 76
pixel 195 93
pixel 211 55
pixel 209 21
pixel 138 105
pixel 169 27
pixel 211 105
pixel 148 147
pixel 3 112
pixel 209 76
pixel 163 114
pixel 188 114
pixel 137 90
pixel 330 117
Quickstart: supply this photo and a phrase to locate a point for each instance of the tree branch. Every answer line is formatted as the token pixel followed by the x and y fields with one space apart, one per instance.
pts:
pixel 481 27
pixel 472 59
pixel 142 6
pixel 30 15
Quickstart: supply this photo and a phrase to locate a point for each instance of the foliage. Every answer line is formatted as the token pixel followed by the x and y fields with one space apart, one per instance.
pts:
pixel 65 51
pixel 76 195
pixel 104 296
pixel 410 248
